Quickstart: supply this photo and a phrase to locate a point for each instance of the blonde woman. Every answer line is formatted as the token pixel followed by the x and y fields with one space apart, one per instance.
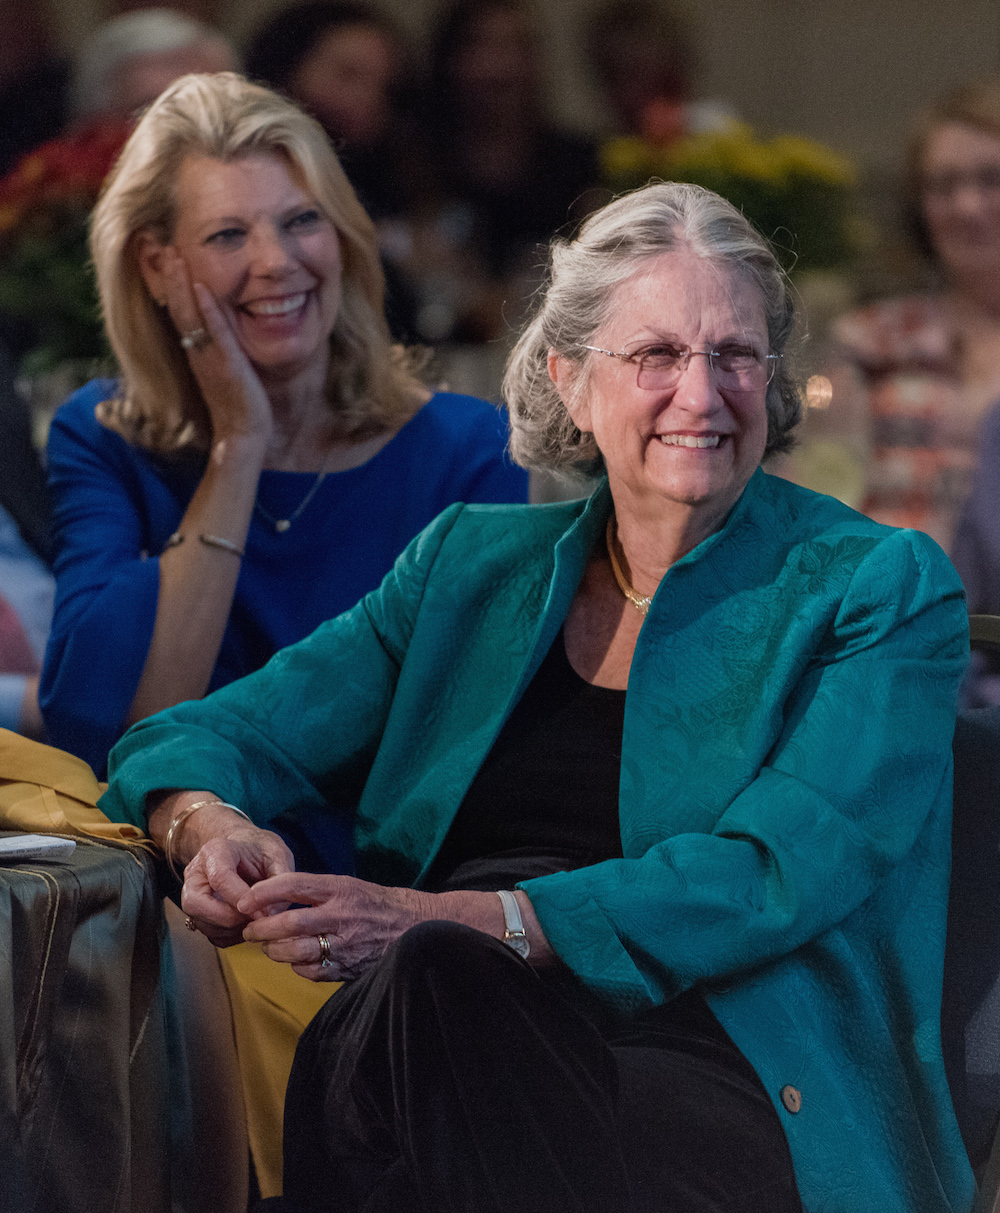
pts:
pixel 266 452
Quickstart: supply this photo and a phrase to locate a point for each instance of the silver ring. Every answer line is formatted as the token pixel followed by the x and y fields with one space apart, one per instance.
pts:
pixel 324 952
pixel 190 923
pixel 197 339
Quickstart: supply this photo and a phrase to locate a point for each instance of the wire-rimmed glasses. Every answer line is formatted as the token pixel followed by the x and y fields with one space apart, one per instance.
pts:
pixel 736 367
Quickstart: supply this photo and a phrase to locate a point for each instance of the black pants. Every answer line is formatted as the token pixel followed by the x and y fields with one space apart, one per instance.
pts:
pixel 452 1078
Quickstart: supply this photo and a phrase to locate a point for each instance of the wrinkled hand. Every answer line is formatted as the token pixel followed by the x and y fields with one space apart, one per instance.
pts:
pixel 223 872
pixel 233 392
pixel 360 920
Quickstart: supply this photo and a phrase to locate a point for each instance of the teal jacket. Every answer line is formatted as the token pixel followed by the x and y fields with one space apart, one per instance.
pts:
pixel 785 790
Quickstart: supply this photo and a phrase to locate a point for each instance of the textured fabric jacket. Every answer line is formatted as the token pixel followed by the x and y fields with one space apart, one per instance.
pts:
pixel 116 505
pixel 785 790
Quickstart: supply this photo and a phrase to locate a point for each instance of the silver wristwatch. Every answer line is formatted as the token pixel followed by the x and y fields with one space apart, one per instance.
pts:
pixel 513 936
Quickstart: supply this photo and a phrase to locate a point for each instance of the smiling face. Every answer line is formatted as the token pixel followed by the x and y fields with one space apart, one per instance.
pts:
pixel 694 445
pixel 259 241
pixel 961 198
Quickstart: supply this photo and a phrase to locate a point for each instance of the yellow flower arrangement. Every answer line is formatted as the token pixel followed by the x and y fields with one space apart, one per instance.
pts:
pixel 796 191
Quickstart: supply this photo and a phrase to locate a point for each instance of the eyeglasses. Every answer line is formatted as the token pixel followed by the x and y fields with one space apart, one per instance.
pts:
pixel 736 367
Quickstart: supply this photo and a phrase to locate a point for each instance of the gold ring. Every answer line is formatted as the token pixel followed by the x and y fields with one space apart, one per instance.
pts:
pixel 324 951
pixel 190 923
pixel 197 339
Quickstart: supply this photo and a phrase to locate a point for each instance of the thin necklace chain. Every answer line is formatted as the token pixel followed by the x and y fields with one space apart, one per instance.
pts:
pixel 282 524
pixel 639 601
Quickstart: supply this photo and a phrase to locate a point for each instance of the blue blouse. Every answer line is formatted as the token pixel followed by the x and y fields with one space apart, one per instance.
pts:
pixel 115 505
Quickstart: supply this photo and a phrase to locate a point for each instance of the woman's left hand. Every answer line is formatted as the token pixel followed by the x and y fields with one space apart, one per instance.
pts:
pixel 360 920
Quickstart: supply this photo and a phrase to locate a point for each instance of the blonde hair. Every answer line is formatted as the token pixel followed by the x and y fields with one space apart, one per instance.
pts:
pixel 577 299
pixel 370 385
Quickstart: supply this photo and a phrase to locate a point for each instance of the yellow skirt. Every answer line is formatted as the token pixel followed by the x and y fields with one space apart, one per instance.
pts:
pixel 271 1008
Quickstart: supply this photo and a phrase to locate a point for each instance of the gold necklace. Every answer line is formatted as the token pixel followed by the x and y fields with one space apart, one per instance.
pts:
pixel 639 601
pixel 282 524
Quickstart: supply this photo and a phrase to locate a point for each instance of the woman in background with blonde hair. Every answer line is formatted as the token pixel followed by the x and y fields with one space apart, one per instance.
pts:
pixel 266 453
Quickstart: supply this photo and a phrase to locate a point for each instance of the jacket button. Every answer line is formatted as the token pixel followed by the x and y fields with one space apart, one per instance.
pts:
pixel 791 1097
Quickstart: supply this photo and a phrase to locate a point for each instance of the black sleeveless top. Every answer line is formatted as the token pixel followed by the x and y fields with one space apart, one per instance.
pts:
pixel 546 800
pixel 546 797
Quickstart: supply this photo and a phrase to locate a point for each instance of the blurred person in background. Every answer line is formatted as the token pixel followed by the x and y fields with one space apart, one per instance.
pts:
pixel 914 376
pixel 506 178
pixel 27 587
pixel 345 63
pixel 33 80
pixel 128 61
pixel 644 57
pixel 50 309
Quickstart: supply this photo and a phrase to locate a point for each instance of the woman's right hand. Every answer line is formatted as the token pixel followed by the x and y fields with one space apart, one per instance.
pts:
pixel 198 579
pixel 232 390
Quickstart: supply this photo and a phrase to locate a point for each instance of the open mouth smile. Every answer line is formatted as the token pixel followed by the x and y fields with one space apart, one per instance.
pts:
pixel 276 307
pixel 697 441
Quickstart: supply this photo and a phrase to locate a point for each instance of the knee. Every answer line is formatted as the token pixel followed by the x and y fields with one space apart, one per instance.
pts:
pixel 430 946
pixel 448 955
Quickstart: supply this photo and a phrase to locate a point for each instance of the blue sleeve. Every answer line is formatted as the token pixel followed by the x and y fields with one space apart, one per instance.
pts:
pixel 484 471
pixel 863 759
pixel 298 734
pixel 106 583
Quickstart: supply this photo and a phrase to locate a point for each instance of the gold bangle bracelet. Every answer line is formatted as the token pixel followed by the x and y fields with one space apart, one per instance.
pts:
pixel 182 816
pixel 210 541
pixel 216 541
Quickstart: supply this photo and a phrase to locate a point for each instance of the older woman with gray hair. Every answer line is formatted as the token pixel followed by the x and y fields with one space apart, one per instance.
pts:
pixel 128 61
pixel 654 795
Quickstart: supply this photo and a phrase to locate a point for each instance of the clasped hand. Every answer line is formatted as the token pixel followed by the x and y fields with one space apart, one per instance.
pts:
pixel 359 919
pixel 240 887
pixel 223 871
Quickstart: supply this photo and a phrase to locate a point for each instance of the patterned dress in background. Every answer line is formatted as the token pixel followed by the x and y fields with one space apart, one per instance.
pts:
pixel 900 403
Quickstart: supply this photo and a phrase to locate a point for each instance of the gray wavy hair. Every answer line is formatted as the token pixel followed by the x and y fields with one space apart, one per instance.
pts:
pixel 577 300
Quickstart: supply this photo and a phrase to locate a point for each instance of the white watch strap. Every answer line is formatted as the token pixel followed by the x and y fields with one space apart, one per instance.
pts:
pixel 514 933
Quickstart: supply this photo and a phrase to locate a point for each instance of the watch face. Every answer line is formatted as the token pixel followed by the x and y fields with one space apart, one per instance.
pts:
pixel 519 944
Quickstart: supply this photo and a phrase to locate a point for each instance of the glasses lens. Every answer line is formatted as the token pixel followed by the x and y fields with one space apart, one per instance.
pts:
pixel 735 367
pixel 741 369
pixel 660 367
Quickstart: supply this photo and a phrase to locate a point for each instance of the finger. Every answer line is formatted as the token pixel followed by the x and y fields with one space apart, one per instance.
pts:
pixel 229 886
pixel 301 950
pixel 309 888
pixel 181 302
pixel 215 322
pixel 198 901
pixel 224 880
pixel 286 924
pixel 278 863
pixel 318 973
